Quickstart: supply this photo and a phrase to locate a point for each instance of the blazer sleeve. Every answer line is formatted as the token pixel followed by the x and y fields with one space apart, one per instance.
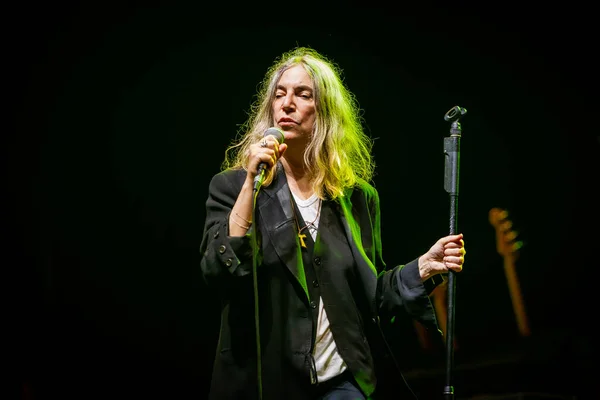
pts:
pixel 224 259
pixel 400 290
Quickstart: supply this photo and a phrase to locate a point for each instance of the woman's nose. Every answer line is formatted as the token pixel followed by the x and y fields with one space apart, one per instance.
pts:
pixel 288 102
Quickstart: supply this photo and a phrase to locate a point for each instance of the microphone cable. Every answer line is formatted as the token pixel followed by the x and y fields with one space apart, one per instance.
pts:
pixel 255 249
pixel 278 134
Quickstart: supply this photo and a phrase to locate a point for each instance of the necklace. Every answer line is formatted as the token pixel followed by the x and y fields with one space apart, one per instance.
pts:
pixel 308 225
pixel 313 199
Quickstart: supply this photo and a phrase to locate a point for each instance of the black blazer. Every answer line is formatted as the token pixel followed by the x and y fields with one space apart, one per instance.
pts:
pixel 286 326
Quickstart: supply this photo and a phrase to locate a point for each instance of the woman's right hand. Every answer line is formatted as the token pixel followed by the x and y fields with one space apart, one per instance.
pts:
pixel 268 150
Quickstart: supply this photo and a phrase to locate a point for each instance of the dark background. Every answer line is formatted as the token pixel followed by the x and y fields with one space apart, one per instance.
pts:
pixel 119 115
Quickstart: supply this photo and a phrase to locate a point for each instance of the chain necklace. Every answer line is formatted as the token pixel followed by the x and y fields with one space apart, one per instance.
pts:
pixel 307 225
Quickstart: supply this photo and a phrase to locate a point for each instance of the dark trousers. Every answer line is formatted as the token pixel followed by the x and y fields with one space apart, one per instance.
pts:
pixel 342 387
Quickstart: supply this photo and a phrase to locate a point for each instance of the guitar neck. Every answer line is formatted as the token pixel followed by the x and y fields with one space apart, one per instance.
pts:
pixel 516 296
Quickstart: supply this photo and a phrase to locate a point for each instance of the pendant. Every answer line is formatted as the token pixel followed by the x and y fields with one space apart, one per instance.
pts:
pixel 302 236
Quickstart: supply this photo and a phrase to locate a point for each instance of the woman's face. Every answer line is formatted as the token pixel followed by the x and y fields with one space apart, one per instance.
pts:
pixel 294 104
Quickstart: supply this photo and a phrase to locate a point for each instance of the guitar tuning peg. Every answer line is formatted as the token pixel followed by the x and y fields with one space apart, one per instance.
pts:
pixel 517 245
pixel 511 236
pixel 506 225
pixel 496 214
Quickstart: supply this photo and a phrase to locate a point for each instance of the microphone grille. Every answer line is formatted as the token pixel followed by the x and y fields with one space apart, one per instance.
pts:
pixel 276 132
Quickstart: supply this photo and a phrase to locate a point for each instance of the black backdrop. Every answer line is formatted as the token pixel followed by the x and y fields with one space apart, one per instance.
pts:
pixel 119 115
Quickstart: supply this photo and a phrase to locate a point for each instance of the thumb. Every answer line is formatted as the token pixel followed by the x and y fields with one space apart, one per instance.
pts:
pixel 282 148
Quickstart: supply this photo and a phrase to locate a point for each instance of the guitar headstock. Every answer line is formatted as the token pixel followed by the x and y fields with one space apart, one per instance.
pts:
pixel 507 244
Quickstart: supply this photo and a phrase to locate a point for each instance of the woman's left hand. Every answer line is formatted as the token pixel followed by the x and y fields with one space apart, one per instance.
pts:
pixel 447 254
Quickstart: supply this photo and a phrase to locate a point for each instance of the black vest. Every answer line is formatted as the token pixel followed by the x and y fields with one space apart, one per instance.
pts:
pixel 330 275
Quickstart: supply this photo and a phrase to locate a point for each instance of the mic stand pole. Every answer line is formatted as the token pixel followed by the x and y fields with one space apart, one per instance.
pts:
pixel 451 178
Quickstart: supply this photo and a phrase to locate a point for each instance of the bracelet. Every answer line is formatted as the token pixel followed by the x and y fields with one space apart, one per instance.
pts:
pixel 245 220
pixel 241 226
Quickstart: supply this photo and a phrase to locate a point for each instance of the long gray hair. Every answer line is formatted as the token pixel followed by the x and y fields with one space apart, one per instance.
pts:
pixel 339 152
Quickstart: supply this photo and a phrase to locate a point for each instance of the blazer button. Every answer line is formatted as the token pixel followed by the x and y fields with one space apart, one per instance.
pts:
pixel 315 283
pixel 318 260
pixel 229 262
pixel 222 249
pixel 313 305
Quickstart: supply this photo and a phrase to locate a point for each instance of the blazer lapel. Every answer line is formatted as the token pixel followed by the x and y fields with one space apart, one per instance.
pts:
pixel 350 216
pixel 278 223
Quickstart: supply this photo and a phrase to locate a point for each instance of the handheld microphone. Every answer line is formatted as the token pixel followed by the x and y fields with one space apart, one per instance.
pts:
pixel 262 167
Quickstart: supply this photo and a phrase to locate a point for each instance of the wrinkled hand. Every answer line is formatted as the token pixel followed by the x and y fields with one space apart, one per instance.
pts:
pixel 268 153
pixel 447 254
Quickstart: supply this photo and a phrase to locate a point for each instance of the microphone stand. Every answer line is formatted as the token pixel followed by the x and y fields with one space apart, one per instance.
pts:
pixel 451 178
